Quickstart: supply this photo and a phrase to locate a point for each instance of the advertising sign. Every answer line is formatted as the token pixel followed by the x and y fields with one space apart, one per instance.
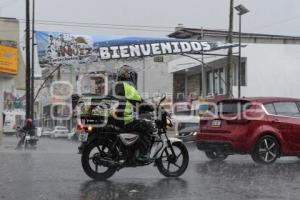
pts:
pixel 8 57
pixel 68 48
pixel 14 100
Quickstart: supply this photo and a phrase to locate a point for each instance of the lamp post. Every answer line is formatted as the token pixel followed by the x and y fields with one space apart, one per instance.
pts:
pixel 32 61
pixel 241 11
pixel 28 91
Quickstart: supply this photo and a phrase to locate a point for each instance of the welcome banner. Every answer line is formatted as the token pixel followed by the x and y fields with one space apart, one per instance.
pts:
pixel 56 47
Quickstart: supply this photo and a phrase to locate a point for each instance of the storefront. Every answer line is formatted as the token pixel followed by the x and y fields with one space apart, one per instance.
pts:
pixel 188 82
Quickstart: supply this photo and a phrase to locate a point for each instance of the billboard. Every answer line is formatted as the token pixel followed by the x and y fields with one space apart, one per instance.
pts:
pixel 69 48
pixel 8 57
pixel 14 100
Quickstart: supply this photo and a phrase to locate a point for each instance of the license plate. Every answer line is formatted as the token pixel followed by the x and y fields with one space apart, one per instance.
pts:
pixel 216 123
pixel 83 137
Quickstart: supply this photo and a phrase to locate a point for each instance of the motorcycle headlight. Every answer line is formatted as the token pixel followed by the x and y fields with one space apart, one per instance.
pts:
pixel 90 129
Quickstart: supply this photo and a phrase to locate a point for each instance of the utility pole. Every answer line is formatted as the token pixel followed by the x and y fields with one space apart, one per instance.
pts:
pixel 32 60
pixel 242 10
pixel 230 57
pixel 240 56
pixel 27 45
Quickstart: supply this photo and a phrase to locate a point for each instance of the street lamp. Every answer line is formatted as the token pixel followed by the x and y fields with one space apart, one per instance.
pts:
pixel 242 10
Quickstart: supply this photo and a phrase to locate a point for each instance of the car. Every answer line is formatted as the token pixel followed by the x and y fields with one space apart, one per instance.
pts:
pixel 59 131
pixel 264 127
pixel 39 131
pixel 184 121
pixel 46 132
pixel 188 134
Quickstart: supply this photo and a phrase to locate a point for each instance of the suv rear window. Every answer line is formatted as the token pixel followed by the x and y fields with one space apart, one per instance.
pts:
pixel 283 108
pixel 270 108
pixel 232 107
pixel 287 108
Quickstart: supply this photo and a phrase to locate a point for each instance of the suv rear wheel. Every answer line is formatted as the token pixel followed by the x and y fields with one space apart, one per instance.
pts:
pixel 215 155
pixel 266 150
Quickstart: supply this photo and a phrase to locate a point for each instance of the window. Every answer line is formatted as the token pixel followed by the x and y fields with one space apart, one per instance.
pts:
pixel 222 81
pixel 216 79
pixel 209 83
pixel 215 82
pixel 270 108
pixel 232 107
pixel 243 72
pixel 287 109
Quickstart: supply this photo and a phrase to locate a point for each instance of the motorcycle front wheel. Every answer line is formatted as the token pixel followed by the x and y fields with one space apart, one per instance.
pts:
pixel 171 165
pixel 90 161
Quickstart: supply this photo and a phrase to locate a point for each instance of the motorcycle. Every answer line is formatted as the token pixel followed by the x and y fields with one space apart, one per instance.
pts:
pixel 29 139
pixel 109 149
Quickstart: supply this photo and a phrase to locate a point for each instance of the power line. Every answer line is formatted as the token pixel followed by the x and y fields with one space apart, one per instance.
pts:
pixel 100 27
pixel 105 25
pixel 108 24
pixel 101 24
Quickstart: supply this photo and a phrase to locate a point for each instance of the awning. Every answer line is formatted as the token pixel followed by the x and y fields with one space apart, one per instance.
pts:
pixel 184 62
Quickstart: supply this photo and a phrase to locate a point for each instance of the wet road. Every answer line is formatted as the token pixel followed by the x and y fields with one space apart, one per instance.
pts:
pixel 54 172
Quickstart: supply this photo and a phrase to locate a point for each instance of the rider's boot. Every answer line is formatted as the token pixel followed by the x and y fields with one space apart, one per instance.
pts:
pixel 144 154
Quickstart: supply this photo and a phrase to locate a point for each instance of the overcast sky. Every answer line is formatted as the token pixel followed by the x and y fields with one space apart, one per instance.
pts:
pixel 266 16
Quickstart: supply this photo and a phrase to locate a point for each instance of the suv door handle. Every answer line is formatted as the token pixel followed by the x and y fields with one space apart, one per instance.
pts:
pixel 276 121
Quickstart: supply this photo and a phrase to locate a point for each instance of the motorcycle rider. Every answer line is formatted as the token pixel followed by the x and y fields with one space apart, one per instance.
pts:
pixel 29 128
pixel 130 104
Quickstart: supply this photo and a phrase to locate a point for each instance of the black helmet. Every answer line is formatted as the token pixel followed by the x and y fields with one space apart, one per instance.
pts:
pixel 127 73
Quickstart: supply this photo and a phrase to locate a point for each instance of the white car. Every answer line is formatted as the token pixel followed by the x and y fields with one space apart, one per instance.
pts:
pixel 46 132
pixel 39 131
pixel 59 131
pixel 185 125
pixel 73 135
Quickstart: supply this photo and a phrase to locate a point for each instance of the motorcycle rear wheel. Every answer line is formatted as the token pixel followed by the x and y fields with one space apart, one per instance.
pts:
pixel 88 158
pixel 179 162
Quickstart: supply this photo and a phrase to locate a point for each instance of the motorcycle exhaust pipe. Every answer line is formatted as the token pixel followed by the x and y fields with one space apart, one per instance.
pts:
pixel 109 163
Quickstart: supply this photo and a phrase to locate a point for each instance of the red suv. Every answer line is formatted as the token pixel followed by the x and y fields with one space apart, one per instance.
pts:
pixel 265 127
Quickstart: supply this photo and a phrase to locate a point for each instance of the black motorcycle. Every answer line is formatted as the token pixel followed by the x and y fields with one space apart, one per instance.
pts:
pixel 108 149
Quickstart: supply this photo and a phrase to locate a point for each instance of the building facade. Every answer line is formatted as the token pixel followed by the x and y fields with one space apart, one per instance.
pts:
pixel 270 66
pixel 11 63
